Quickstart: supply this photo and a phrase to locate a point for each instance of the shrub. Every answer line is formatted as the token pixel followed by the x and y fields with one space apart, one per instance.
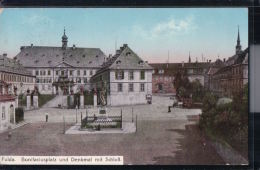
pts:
pixel 19 114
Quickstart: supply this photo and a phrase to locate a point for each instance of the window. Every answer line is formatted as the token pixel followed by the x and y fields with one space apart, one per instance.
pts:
pixel 119 75
pixel 49 72
pixel 36 72
pixel 57 73
pixel 91 72
pixel 62 73
pixel 71 72
pixel 119 87
pixel 161 71
pixel 85 72
pixel 142 75
pixel 78 72
pixel 131 87
pixel 85 80
pixel 142 87
pixel 3 112
pixel 131 75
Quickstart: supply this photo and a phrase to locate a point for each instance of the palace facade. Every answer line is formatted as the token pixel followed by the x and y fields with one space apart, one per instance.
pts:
pixel 61 69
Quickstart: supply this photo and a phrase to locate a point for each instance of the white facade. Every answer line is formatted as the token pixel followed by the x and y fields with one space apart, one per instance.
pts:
pixel 129 95
pixel 46 76
pixel 7 111
pixel 21 82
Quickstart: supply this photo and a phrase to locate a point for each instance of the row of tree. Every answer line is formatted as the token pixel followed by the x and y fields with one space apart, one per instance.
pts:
pixel 186 89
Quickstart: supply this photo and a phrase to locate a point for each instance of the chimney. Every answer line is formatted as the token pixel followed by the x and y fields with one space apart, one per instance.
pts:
pixel 209 61
pixel 224 60
pixel 118 51
pixel 182 63
pixel 110 55
pixel 22 47
pixel 124 45
pixel 31 45
pixel 74 47
pixel 121 48
pixel 5 55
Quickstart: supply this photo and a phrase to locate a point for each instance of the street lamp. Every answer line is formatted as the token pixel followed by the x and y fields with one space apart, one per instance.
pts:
pixel 76 113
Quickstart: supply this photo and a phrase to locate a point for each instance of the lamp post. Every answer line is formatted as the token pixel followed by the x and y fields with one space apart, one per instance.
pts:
pixel 76 113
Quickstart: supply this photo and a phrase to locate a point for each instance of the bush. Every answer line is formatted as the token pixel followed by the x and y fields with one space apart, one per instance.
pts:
pixel 22 100
pixel 19 114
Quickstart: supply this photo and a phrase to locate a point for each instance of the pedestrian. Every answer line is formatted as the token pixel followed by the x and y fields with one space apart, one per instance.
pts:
pixel 46 116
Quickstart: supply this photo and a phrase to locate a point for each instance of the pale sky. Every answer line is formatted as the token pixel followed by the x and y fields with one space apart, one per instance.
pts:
pixel 150 32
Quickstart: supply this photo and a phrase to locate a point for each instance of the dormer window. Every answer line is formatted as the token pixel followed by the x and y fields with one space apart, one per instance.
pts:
pixel 96 56
pixel 141 63
pixel 26 54
pixel 57 55
pixel 128 53
pixel 71 55
pixel 90 62
pixel 83 55
pixel 118 62
pixel 77 62
pixel 49 61
pixel 36 61
pixel 43 55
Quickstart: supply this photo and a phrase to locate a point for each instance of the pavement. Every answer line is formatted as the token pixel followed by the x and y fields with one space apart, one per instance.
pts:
pixel 160 137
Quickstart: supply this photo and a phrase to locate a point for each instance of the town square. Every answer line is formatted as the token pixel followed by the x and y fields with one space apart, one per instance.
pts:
pixel 154 96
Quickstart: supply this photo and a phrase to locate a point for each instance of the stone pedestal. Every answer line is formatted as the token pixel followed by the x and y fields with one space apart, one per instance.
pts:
pixel 28 102
pixel 81 101
pixel 35 102
pixel 95 100
pixel 71 100
pixel 64 101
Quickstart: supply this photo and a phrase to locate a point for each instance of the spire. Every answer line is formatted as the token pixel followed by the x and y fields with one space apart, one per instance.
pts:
pixel 64 40
pixel 238 46
pixel 238 37
pixel 189 57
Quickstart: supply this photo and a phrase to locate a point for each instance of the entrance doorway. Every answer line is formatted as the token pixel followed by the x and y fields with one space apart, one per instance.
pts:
pixel 160 87
pixel 11 113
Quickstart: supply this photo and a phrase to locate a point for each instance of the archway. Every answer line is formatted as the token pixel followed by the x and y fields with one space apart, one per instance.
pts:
pixel 11 113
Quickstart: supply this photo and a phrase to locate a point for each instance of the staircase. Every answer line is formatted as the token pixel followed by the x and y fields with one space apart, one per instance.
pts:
pixel 56 101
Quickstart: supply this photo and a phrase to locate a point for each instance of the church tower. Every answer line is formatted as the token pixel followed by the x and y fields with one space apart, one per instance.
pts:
pixel 64 40
pixel 238 46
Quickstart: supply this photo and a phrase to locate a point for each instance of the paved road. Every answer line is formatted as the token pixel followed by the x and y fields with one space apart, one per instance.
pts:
pixel 161 137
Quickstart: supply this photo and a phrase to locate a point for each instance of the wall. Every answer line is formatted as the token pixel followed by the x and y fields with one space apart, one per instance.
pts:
pixel 4 123
pixel 166 81
pixel 126 97
pixel 45 86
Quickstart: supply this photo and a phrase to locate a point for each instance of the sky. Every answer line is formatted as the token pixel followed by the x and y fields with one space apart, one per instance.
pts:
pixel 155 34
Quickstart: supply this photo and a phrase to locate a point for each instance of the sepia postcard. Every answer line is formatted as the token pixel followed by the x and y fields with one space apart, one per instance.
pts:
pixel 124 86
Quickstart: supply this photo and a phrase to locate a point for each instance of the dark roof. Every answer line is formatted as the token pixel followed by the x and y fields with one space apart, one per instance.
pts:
pixel 125 58
pixel 12 66
pixel 43 56
pixel 171 68
pixel 235 59
pixel 242 56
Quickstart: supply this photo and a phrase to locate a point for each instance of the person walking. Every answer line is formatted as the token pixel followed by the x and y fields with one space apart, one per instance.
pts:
pixel 46 116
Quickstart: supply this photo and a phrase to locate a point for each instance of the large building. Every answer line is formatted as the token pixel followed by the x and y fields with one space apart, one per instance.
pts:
pixel 53 66
pixel 12 72
pixel 14 80
pixel 163 74
pixel 233 75
pixel 126 77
